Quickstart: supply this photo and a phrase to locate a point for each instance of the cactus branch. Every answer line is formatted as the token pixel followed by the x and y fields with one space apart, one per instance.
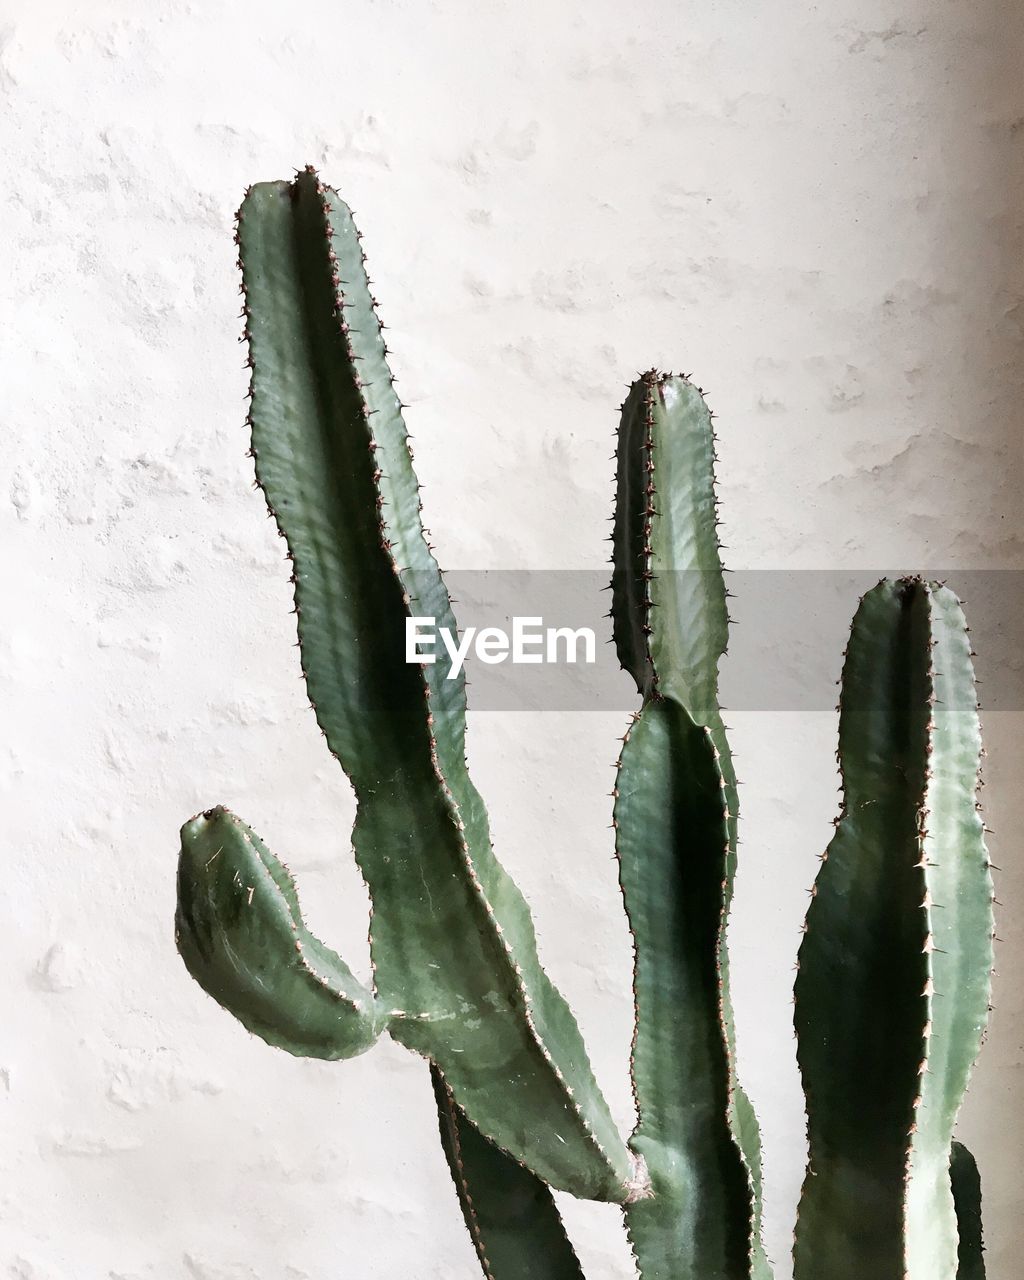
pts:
pixel 673 844
pixel 240 932
pixel 676 841
pixel 510 1213
pixel 893 983
pixel 452 942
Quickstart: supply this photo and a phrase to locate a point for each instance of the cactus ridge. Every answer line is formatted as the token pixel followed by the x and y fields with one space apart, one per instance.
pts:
pixel 672 835
pixel 959 899
pixel 510 1213
pixel 677 848
pixel 893 983
pixel 452 941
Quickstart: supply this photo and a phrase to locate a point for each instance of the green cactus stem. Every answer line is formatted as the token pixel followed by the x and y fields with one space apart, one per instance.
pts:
pixel 510 1213
pixel 673 844
pixel 452 941
pixel 892 993
pixel 675 818
pixel 240 932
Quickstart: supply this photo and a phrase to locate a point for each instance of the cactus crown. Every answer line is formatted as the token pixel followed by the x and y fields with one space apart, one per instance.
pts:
pixel 892 990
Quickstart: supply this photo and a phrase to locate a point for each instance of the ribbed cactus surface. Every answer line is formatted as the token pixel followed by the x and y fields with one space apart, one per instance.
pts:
pixel 675 817
pixel 241 934
pixel 509 1212
pixel 892 992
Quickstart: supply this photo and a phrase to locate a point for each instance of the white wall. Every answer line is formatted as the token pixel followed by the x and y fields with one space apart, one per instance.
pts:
pixel 814 208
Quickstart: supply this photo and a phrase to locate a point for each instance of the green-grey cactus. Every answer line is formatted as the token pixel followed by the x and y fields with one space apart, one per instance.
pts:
pixel 675 818
pixel 892 993
pixel 892 990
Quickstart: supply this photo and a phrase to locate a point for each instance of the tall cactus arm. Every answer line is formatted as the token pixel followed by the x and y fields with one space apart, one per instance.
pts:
pixel 670 624
pixel 673 844
pixel 509 1212
pixel 861 1006
pixel 240 932
pixel 966 1188
pixel 891 996
pixel 453 944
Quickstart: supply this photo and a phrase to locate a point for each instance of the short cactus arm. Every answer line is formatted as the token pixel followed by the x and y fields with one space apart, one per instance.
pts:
pixel 676 840
pixel 669 603
pixel 966 1187
pixel 892 989
pixel 240 932
pixel 509 1212
pixel 452 940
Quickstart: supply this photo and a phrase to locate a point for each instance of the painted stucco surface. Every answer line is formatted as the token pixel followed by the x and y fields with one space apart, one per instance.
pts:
pixel 816 209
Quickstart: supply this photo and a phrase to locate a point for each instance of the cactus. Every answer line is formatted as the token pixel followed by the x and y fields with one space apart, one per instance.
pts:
pixel 893 984
pixel 892 992
pixel 675 819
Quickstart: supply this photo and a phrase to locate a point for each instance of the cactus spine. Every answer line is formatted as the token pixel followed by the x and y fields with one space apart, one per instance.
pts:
pixel 892 992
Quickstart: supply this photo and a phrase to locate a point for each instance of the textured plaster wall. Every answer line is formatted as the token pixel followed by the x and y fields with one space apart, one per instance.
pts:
pixel 815 208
